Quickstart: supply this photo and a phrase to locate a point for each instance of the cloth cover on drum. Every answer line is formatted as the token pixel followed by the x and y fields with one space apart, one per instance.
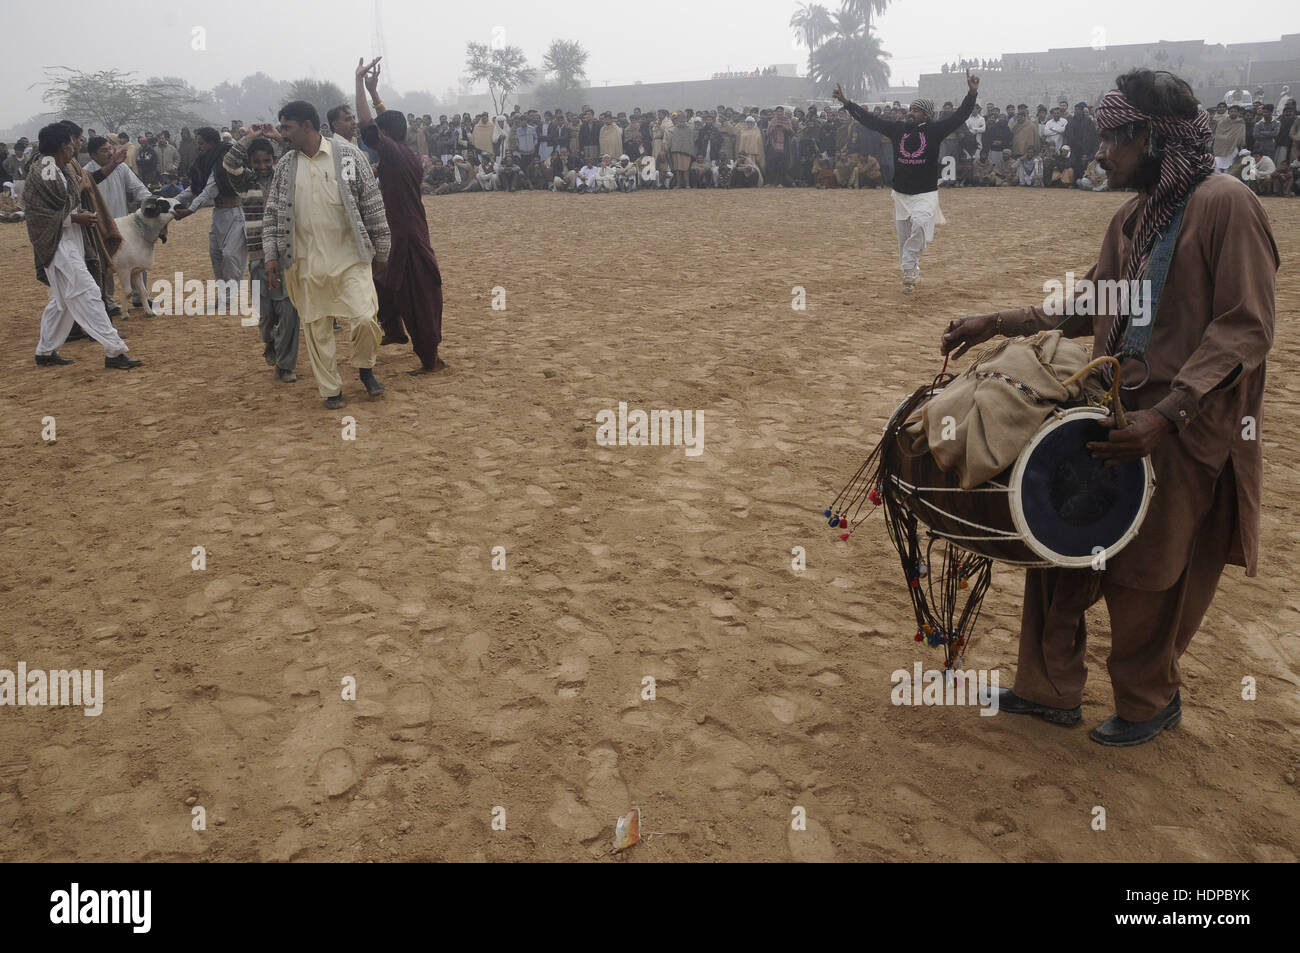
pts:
pixel 998 404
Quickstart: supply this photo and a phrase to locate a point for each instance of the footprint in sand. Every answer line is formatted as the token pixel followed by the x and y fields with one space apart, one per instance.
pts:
pixel 811 846
pixel 336 772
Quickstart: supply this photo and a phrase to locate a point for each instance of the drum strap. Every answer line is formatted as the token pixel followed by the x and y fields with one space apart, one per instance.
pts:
pixel 1137 337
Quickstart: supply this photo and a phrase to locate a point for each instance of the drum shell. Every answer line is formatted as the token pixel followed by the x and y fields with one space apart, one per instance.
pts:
pixel 943 511
pixel 935 497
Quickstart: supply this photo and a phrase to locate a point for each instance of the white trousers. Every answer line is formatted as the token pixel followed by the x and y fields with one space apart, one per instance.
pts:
pixel 74 296
pixel 911 242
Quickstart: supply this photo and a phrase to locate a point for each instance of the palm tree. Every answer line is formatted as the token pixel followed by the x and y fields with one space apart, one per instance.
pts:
pixel 813 24
pixel 866 9
pixel 851 56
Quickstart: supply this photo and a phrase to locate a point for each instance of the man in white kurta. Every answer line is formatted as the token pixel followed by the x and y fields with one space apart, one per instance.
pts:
pixel 74 298
pixel 328 278
pixel 119 187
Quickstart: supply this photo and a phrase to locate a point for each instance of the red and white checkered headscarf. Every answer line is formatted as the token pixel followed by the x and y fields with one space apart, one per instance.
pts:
pixel 1186 160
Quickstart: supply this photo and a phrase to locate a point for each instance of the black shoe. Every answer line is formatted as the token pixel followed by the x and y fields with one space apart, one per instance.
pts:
pixel 373 387
pixel 285 375
pixel 268 354
pixel 121 362
pixel 52 359
pixel 335 402
pixel 76 334
pixel 1013 704
pixel 1117 732
pixel 115 312
pixel 388 339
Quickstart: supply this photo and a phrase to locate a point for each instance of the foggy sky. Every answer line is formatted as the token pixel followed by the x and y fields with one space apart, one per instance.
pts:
pixel 673 39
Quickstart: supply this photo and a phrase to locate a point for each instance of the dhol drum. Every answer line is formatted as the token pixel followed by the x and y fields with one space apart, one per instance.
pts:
pixel 1055 506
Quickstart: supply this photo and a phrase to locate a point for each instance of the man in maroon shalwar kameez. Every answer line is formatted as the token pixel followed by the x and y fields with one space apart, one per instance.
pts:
pixel 410 289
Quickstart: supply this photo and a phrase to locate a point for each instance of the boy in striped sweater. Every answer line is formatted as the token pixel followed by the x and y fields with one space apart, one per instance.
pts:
pixel 249 165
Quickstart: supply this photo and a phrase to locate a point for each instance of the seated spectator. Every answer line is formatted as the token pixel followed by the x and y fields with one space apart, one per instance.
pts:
pixel 701 173
pixel 1007 172
pixel 1031 169
pixel 746 174
pixel 539 175
pixel 605 179
pixel 586 181
pixel 626 174
pixel 725 165
pixel 485 173
pixel 437 175
pixel 823 173
pixel 1260 177
pixel 1094 177
pixel 982 170
pixel 1058 171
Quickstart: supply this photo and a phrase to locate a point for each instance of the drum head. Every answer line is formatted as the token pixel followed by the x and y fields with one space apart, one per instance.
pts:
pixel 1069 507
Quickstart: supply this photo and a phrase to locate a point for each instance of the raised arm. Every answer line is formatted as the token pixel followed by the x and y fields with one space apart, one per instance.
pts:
pixel 886 126
pixel 943 127
pixel 365 80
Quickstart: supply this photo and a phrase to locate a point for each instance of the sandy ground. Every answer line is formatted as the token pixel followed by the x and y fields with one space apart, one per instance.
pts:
pixel 522 688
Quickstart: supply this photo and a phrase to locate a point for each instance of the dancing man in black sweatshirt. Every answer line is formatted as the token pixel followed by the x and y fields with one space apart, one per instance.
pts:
pixel 916 170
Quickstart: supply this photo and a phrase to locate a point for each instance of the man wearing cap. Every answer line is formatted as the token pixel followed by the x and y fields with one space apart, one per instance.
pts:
pixel 750 141
pixel 1193 373
pixel 916 143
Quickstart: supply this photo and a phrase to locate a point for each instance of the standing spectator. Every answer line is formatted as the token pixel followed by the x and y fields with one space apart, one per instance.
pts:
pixel 1266 130
pixel 169 157
pixel 1024 134
pixel 1285 142
pixel 610 137
pixel 780 139
pixel 1081 137
pixel 146 161
pixel 1229 139
pixel 188 152
pixel 1054 129
pixel 681 151
pixel 997 135
pixel 977 125
pixel 750 143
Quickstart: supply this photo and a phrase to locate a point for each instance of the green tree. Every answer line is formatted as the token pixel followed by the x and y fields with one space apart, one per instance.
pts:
pixel 566 61
pixel 504 70
pixel 321 93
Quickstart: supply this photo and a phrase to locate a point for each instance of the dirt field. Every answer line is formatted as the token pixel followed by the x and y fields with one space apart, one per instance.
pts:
pixel 522 688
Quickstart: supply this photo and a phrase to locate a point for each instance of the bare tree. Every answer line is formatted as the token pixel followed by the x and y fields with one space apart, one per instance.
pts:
pixel 113 99
pixel 504 70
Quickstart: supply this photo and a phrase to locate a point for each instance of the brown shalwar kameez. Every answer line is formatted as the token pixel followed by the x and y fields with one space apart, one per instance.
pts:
pixel 410 289
pixel 1211 334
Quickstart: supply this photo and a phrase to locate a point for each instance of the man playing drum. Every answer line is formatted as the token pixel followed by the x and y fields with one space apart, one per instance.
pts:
pixel 1193 374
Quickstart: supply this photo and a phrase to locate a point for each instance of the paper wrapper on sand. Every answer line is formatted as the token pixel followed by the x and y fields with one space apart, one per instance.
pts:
pixel 627 831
